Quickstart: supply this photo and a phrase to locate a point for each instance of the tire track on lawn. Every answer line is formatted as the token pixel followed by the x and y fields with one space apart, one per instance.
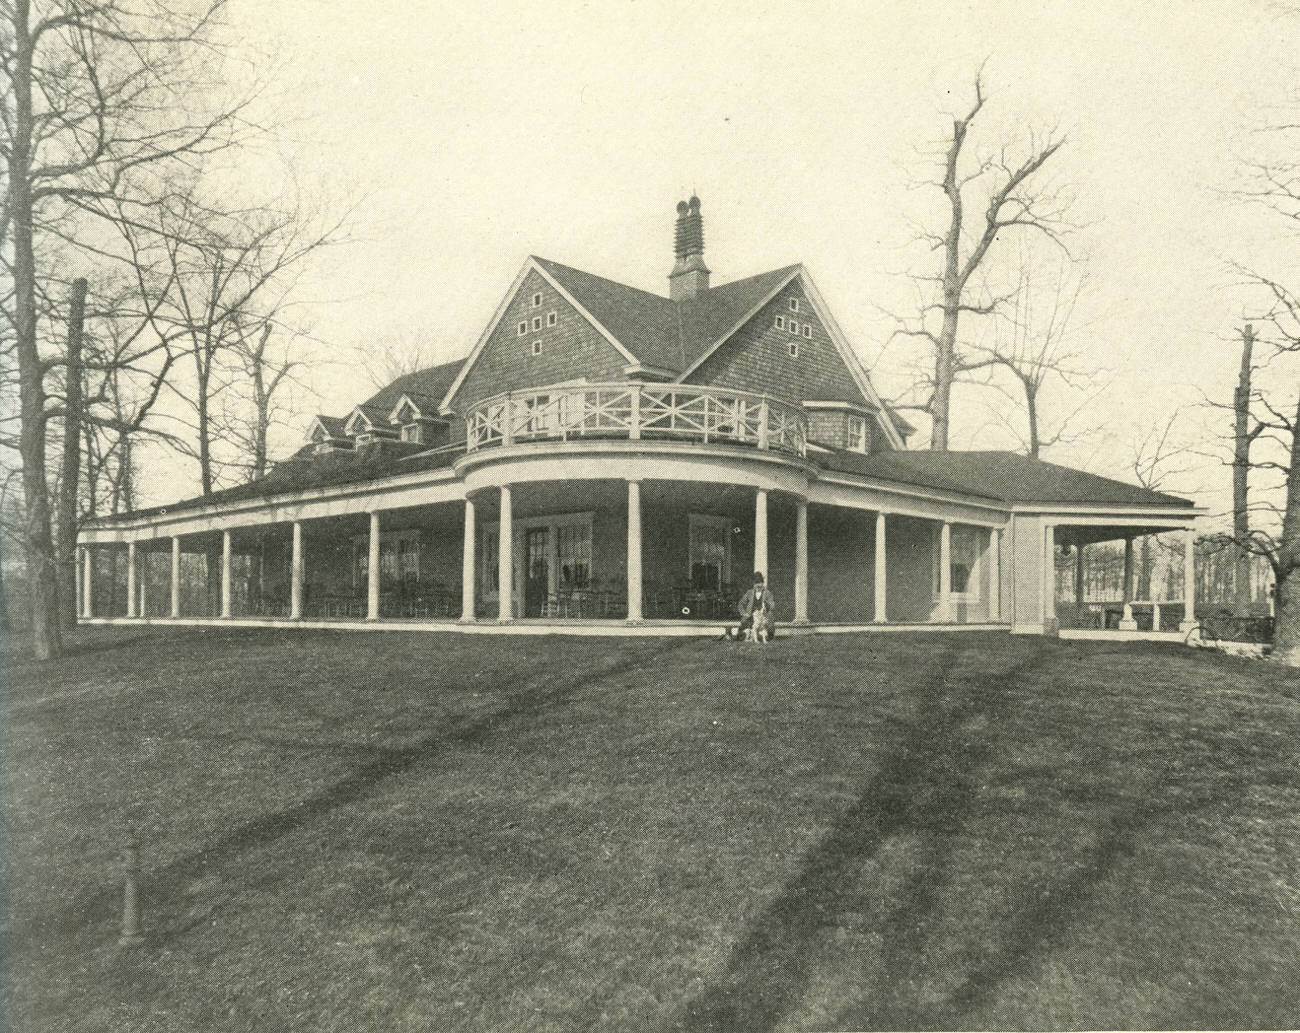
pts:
pixel 165 885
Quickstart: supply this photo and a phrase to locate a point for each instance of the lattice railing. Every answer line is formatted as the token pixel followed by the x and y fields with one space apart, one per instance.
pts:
pixel 635 411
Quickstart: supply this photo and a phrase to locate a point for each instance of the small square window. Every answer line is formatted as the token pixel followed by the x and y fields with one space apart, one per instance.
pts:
pixel 537 322
pixel 794 326
pixel 537 347
pixel 780 322
pixel 794 350
pixel 537 300
pixel 807 330
pixel 523 328
pixel 551 319
pixel 794 304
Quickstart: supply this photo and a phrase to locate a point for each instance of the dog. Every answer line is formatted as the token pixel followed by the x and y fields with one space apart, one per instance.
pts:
pixel 759 630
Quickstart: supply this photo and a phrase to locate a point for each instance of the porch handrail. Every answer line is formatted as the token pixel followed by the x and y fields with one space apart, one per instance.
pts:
pixel 634 411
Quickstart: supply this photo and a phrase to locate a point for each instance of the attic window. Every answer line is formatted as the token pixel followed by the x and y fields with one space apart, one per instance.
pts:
pixel 537 300
pixel 537 322
pixel 551 319
pixel 807 330
pixel 794 304
pixel 780 322
pixel 794 326
pixel 523 328
pixel 537 347
pixel 794 350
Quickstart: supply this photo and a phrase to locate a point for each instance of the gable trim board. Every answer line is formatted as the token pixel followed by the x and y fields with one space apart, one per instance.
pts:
pixel 530 266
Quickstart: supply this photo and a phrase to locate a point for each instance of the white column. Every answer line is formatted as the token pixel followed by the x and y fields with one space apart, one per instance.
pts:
pixel 1078 573
pixel 1189 580
pixel 1049 577
pixel 995 573
pixel 467 566
pixel 372 574
pixel 79 563
pixel 176 576
pixel 225 573
pixel 143 580
pixel 881 580
pixel 760 531
pixel 87 582
pixel 945 572
pixel 634 552
pixel 296 573
pixel 801 560
pixel 505 557
pixel 130 579
pixel 1127 623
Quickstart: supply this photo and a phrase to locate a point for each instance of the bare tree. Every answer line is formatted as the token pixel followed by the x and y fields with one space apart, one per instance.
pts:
pixel 1013 198
pixel 266 373
pixel 97 96
pixel 391 357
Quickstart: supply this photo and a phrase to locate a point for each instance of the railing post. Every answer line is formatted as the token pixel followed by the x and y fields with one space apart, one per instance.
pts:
pixel 634 426
pixel 762 423
pixel 508 421
pixel 471 433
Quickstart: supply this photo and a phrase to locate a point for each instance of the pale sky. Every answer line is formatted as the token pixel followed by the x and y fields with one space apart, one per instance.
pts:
pixel 476 134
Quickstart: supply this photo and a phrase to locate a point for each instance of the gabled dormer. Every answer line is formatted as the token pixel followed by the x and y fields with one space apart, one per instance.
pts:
pixel 368 423
pixel 416 419
pixel 327 434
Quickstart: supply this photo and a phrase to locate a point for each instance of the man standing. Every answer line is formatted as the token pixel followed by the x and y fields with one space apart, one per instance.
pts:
pixel 757 608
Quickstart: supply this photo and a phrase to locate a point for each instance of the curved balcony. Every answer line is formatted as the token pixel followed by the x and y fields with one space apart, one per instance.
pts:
pixel 636 412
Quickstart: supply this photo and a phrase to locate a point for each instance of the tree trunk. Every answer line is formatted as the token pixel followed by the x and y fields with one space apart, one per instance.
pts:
pixel 1240 473
pixel 38 542
pixel 67 515
pixel 1286 634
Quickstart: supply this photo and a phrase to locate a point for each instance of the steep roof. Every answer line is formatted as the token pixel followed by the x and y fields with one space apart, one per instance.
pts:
pixel 657 330
pixel 1001 476
pixel 431 383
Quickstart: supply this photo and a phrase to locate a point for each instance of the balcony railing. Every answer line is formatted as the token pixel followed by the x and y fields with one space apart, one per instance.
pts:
pixel 638 411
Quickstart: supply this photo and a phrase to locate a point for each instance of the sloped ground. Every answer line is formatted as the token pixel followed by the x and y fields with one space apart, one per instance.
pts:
pixel 405 832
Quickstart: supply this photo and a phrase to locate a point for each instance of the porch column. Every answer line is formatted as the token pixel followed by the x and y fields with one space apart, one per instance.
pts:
pixel 760 531
pixel 1189 580
pixel 1127 623
pixel 801 560
pixel 295 574
pixel 176 576
pixel 1049 577
pixel 881 609
pixel 945 572
pixel 505 557
pixel 1078 574
pixel 130 579
pixel 225 573
pixel 634 552
pixel 143 580
pixel 87 582
pixel 467 565
pixel 78 564
pixel 995 573
pixel 372 572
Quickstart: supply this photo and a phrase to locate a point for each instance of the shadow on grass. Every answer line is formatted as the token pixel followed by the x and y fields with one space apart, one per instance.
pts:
pixel 167 885
pixel 923 791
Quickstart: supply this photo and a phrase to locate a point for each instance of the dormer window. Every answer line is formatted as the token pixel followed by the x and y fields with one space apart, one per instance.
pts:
pixel 807 331
pixel 537 300
pixel 412 432
pixel 794 304
pixel 523 328
pixel 780 322
pixel 537 347
pixel 552 318
pixel 858 439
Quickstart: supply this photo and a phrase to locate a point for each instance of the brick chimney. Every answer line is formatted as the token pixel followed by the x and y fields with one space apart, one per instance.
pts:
pixel 690 276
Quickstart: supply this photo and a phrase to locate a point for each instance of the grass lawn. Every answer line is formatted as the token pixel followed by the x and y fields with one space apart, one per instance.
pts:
pixel 402 832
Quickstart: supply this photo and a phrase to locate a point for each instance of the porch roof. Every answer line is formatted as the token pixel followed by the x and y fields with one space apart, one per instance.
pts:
pixel 1002 476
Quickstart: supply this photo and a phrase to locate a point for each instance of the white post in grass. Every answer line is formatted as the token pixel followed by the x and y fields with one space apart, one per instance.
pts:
pixel 1127 623
pixel 296 573
pixel 505 557
pixel 87 582
pixel 881 580
pixel 1189 580
pixel 801 560
pixel 945 573
pixel 130 579
pixel 176 576
pixel 467 566
pixel 634 552
pixel 372 573
pixel 995 574
pixel 760 532
pixel 225 573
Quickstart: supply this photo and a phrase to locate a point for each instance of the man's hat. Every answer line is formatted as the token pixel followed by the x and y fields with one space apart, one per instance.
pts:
pixel 758 576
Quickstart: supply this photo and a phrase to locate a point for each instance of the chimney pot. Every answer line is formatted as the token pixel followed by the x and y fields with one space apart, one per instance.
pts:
pixel 690 276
